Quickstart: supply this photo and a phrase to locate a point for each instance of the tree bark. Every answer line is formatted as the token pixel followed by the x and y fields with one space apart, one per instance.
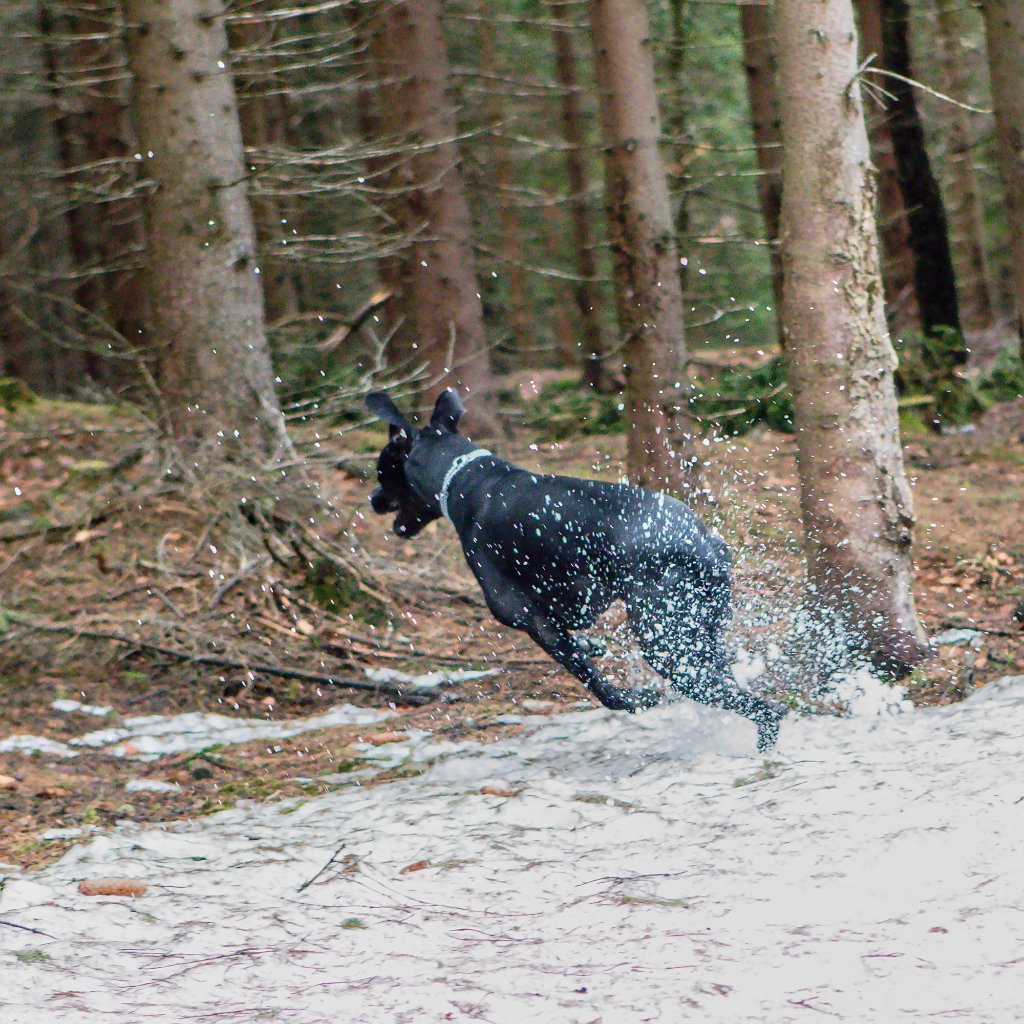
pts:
pixel 934 278
pixel 677 130
pixel 563 292
pixel 759 63
pixel 374 127
pixel 205 304
pixel 855 500
pixel 585 291
pixel 966 226
pixel 105 226
pixel 902 310
pixel 1004 30
pixel 642 237
pixel 35 242
pixel 260 119
pixel 412 62
pixel 511 236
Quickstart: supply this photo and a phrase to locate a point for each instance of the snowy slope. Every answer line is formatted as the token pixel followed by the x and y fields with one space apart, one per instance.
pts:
pixel 650 869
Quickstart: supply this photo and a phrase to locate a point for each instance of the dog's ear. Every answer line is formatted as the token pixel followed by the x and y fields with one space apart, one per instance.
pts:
pixel 382 407
pixel 400 436
pixel 447 410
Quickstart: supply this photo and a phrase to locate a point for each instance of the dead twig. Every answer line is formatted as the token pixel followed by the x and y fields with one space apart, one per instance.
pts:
pixel 25 928
pixel 167 602
pixel 358 319
pixel 231 581
pixel 334 860
pixel 51 529
pixel 407 693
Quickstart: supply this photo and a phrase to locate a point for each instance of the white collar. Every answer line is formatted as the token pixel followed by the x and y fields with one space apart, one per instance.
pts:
pixel 453 469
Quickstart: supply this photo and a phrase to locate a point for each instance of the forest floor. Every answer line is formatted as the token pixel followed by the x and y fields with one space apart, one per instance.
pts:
pixel 109 583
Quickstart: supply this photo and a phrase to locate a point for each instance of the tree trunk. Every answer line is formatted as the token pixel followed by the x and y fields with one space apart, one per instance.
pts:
pixel 563 292
pixel 392 268
pixel 934 278
pixel 641 234
pixel 677 130
pixel 511 243
pixel 573 129
pixel 412 61
pixel 257 114
pixel 106 231
pixel 35 247
pixel 967 233
pixel 855 500
pixel 762 94
pixel 205 304
pixel 902 309
pixel 1004 29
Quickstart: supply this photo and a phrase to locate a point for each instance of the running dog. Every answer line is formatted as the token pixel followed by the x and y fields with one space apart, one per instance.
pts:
pixel 551 554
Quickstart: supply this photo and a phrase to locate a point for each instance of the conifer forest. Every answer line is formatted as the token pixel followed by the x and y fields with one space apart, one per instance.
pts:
pixel 765 257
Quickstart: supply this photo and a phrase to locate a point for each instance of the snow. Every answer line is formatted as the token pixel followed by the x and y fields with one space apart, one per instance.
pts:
pixel 146 737
pixel 428 680
pixel 67 706
pixel 645 868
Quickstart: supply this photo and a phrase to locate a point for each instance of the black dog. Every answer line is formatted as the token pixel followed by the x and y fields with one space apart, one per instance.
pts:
pixel 552 553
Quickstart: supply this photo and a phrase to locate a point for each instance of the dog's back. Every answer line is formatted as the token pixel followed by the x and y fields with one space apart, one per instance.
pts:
pixel 562 526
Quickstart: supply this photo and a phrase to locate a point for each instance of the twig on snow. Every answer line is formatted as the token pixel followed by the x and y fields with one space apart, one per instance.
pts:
pixel 334 859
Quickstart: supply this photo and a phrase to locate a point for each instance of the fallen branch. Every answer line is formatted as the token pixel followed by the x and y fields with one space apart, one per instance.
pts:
pixel 409 694
pixel 334 858
pixel 249 566
pixel 51 529
pixel 25 928
pixel 360 317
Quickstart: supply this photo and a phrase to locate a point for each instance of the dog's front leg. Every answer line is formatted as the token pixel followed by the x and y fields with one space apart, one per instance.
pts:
pixel 574 657
pixel 514 607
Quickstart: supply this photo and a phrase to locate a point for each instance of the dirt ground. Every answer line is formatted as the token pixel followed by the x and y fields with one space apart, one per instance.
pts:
pixel 112 583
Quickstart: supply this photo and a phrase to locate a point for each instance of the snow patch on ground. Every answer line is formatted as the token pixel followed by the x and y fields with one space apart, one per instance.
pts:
pixel 648 868
pixel 428 680
pixel 147 737
pixel 67 706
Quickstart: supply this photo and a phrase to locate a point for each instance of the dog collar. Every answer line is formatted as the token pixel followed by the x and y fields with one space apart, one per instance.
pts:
pixel 453 469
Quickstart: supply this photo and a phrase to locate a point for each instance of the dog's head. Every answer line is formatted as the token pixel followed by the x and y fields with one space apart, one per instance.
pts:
pixel 408 446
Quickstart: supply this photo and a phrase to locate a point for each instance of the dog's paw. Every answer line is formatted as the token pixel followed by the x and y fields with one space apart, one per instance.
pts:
pixel 768 730
pixel 648 698
pixel 616 699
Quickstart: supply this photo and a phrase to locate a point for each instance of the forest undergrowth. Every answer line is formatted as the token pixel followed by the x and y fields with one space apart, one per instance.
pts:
pixel 122 585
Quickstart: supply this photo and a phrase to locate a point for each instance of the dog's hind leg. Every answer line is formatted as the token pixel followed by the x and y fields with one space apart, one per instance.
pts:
pixel 681 637
pixel 721 691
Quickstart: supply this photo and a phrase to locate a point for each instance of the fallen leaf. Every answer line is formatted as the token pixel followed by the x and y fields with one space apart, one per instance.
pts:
pixel 418 865
pixel 84 536
pixel 49 792
pixel 8 782
pixel 380 738
pixel 499 791
pixel 111 887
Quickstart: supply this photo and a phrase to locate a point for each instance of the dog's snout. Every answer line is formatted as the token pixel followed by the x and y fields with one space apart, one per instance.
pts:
pixel 380 503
